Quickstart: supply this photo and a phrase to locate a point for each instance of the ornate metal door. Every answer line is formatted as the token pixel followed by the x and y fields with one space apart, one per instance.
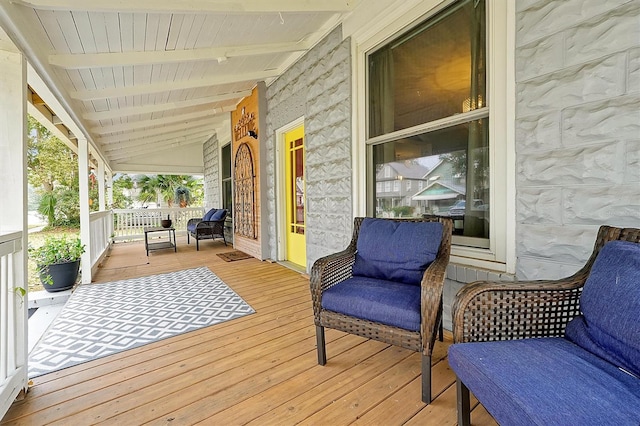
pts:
pixel 244 195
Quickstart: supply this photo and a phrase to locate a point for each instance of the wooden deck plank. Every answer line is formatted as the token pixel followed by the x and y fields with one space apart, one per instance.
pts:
pixel 258 369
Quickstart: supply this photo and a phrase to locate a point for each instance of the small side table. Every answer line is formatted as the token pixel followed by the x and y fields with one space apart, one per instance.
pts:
pixel 162 244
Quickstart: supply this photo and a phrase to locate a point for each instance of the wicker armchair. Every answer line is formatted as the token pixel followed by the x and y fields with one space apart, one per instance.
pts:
pixel 210 226
pixel 491 311
pixel 338 267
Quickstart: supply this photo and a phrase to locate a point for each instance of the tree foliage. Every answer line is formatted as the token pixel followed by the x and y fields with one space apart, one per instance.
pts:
pixel 168 189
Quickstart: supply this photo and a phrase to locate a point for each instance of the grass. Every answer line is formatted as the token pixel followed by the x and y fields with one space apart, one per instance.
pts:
pixel 36 239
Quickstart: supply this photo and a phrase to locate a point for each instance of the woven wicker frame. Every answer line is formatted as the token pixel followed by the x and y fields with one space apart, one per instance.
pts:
pixel 486 311
pixel 335 268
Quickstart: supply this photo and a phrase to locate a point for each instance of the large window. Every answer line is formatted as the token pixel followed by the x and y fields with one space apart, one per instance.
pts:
pixel 227 190
pixel 428 118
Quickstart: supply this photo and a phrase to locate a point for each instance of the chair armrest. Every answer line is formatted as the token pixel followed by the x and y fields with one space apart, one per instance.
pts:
pixel 432 286
pixel 194 220
pixel 486 310
pixel 328 271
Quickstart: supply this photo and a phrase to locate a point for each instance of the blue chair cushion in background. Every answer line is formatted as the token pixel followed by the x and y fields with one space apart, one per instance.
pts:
pixel 387 302
pixel 546 381
pixel 396 251
pixel 207 215
pixel 609 326
pixel 219 215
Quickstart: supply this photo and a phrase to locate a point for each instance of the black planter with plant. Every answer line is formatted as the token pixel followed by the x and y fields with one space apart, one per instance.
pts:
pixel 58 261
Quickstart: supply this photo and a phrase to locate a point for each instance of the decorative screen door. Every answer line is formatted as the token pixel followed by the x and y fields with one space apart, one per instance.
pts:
pixel 295 190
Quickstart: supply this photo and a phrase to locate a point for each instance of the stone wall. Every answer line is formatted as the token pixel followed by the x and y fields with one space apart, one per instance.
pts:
pixel 318 87
pixel 577 129
pixel 211 154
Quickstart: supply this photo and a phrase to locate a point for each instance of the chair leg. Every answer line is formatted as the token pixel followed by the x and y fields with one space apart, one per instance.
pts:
pixel 322 352
pixel 187 237
pixel 426 379
pixel 464 404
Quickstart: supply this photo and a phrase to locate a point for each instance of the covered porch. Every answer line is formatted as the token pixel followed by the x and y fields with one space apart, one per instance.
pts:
pixel 259 369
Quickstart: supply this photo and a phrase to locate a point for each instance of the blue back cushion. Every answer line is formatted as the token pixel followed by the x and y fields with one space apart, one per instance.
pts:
pixel 609 326
pixel 207 215
pixel 219 215
pixel 396 251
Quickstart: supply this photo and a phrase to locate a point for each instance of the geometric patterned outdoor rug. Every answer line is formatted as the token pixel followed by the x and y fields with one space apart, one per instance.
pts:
pixel 103 319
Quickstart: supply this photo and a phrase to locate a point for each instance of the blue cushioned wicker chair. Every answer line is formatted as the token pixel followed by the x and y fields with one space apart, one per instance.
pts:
pixel 563 352
pixel 387 285
pixel 210 226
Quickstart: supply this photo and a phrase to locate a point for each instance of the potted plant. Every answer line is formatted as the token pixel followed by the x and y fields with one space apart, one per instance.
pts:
pixel 58 262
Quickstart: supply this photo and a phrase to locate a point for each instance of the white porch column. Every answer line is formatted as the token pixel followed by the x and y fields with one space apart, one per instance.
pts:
pixel 85 223
pixel 13 221
pixel 101 195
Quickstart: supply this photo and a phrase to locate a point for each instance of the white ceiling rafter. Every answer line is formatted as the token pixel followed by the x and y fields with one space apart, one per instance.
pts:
pixel 97 60
pixel 166 130
pixel 148 149
pixel 151 108
pixel 194 6
pixel 143 89
pixel 113 149
pixel 161 121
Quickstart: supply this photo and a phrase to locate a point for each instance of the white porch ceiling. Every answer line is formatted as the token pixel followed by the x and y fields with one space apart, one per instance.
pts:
pixel 143 79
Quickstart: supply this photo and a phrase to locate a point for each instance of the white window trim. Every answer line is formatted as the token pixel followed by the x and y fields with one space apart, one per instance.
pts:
pixel 397 18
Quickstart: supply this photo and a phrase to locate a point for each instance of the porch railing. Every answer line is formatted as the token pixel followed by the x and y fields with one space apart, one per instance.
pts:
pixel 13 317
pixel 129 224
pixel 101 229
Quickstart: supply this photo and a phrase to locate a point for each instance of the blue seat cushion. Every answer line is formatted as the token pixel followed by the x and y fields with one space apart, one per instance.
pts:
pixel 219 215
pixel 387 302
pixel 191 227
pixel 609 326
pixel 546 381
pixel 396 251
pixel 207 215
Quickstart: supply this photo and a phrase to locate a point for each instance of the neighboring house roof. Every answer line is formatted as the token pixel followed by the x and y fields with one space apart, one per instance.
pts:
pixel 439 191
pixel 406 169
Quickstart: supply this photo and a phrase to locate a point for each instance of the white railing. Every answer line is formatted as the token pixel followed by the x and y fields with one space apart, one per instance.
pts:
pixel 101 230
pixel 13 318
pixel 129 224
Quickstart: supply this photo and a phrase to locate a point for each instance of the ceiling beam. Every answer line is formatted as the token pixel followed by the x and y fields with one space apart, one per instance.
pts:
pixel 194 6
pixel 154 132
pixel 160 121
pixel 146 109
pixel 149 149
pixel 117 146
pixel 96 60
pixel 139 89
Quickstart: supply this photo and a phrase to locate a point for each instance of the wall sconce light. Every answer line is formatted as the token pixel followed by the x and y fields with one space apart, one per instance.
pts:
pixel 253 134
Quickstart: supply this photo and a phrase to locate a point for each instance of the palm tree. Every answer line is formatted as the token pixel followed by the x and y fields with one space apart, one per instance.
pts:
pixel 170 188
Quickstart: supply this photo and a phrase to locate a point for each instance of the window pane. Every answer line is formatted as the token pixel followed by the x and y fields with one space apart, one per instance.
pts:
pixel 435 71
pixel 451 169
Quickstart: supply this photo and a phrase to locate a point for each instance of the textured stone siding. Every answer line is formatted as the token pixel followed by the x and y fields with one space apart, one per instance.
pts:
pixel 211 154
pixel 577 128
pixel 318 87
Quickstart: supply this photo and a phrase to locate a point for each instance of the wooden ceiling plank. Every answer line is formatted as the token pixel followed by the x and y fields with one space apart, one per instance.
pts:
pixel 115 147
pixel 152 132
pixel 193 116
pixel 95 60
pixel 139 89
pixel 196 6
pixel 125 23
pixel 151 139
pixel 127 153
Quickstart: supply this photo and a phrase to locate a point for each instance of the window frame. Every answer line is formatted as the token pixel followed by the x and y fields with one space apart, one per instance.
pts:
pixel 500 256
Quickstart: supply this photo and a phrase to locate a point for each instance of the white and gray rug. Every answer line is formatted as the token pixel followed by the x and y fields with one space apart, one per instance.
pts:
pixel 103 319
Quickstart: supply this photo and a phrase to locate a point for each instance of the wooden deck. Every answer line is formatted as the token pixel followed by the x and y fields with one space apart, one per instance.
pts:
pixel 260 369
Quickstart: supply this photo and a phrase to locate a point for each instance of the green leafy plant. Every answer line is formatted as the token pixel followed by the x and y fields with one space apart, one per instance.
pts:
pixel 56 249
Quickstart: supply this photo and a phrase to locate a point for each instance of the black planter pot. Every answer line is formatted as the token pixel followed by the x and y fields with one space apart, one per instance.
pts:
pixel 64 275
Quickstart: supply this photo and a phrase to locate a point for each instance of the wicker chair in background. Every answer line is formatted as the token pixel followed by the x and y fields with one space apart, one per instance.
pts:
pixel 489 311
pixel 338 267
pixel 208 227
